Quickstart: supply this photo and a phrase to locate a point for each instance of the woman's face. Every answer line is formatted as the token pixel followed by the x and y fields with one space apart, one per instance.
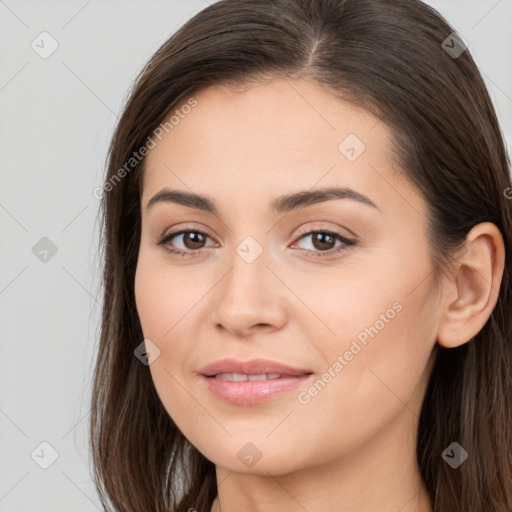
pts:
pixel 354 308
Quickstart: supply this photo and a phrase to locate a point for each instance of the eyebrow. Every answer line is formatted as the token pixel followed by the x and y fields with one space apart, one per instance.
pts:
pixel 282 204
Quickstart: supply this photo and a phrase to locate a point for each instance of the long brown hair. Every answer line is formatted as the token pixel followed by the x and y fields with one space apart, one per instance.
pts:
pixel 391 58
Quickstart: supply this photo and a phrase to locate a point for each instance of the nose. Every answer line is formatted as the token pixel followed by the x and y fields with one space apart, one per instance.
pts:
pixel 249 298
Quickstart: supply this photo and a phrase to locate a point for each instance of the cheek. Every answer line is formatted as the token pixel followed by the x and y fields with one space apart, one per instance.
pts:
pixel 377 380
pixel 163 296
pixel 164 299
pixel 376 350
pixel 395 329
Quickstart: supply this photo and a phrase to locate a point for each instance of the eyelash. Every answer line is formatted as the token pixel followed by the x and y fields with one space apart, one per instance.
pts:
pixel 347 243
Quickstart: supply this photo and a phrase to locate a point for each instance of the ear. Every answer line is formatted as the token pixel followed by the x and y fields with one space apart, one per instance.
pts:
pixel 474 287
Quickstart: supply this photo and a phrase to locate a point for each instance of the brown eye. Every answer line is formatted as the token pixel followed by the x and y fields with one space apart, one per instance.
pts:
pixel 193 239
pixel 190 240
pixel 325 242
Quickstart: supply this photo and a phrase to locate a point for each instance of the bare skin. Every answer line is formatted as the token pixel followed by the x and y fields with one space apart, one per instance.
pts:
pixel 349 447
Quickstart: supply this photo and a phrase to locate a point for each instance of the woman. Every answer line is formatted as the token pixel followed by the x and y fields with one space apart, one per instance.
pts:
pixel 307 256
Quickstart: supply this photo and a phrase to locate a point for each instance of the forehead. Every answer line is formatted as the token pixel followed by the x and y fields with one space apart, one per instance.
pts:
pixel 293 115
pixel 280 135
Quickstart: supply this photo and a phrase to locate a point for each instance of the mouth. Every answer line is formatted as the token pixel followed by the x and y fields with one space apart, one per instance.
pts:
pixel 260 368
pixel 243 377
pixel 254 382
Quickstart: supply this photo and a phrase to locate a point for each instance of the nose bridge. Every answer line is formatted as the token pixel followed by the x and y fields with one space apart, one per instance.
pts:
pixel 248 269
pixel 246 297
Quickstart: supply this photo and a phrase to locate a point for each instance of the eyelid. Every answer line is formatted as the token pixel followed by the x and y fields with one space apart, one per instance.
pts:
pixel 185 228
pixel 319 227
pixel 167 237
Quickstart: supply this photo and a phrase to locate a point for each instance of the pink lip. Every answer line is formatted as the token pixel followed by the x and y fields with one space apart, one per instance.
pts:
pixel 252 392
pixel 252 367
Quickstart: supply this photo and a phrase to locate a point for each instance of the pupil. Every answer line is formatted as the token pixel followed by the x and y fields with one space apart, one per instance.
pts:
pixel 196 239
pixel 319 239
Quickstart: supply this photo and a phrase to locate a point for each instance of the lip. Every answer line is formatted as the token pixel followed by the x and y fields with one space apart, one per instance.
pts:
pixel 252 392
pixel 251 367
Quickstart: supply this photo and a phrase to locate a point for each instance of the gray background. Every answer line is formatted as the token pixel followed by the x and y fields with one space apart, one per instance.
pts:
pixel 57 117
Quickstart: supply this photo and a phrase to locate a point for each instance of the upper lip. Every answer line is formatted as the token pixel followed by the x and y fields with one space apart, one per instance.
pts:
pixel 251 367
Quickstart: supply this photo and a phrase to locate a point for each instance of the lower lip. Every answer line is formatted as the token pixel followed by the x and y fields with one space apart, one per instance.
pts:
pixel 252 391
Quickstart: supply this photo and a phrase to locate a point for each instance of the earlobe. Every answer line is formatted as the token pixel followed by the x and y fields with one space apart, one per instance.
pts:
pixel 475 286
